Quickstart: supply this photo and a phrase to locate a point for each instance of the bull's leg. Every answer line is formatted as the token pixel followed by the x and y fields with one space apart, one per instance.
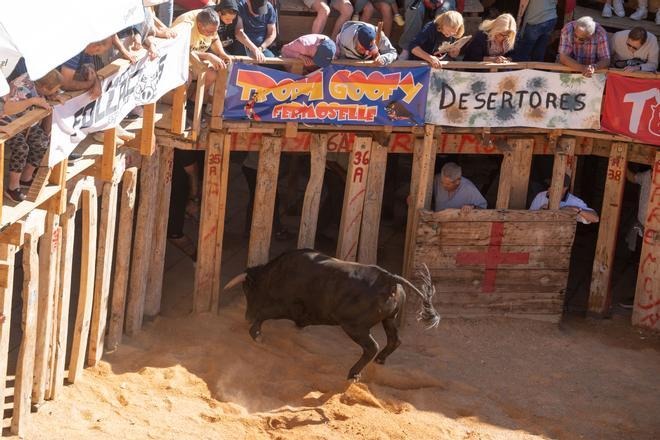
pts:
pixel 392 331
pixel 369 349
pixel 255 330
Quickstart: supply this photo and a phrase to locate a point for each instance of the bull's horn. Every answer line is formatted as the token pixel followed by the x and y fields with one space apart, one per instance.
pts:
pixel 238 279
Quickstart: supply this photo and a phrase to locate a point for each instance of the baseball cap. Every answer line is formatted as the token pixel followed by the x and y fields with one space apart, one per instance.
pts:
pixel 259 6
pixel 227 5
pixel 325 52
pixel 367 37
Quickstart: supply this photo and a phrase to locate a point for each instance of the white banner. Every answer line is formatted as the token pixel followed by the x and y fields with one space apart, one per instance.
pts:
pixel 521 98
pixel 142 83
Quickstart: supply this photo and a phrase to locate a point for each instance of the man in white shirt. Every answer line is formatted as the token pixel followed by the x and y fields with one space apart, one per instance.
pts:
pixel 635 50
pixel 568 202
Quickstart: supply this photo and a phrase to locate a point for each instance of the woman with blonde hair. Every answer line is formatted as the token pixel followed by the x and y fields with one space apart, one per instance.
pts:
pixel 445 28
pixel 494 42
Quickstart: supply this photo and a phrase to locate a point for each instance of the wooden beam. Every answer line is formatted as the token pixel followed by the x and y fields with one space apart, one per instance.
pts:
pixel 179 109
pixel 600 296
pixel 354 195
pixel 264 201
pixel 199 106
pixel 106 242
pixel 49 248
pixel 646 309
pixel 218 104
pixel 291 130
pixel 222 209
pixel 122 258
pixel 159 241
pixel 8 252
pixel 58 177
pixel 147 138
pixel 310 210
pixel 368 247
pixel 109 152
pixel 86 293
pixel 2 173
pixel 26 353
pixel 142 245
pixel 565 151
pixel 423 162
pixel 522 163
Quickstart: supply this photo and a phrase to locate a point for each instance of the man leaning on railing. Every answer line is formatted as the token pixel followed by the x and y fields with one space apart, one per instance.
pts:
pixel 583 46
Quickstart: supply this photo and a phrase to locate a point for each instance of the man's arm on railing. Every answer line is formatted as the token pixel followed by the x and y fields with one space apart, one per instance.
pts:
pixel 249 45
pixel 71 84
pixel 271 33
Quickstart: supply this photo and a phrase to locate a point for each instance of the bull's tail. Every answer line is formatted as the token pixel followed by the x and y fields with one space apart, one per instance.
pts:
pixel 427 312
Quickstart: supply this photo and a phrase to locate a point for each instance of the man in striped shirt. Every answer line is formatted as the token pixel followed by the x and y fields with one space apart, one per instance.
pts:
pixel 583 46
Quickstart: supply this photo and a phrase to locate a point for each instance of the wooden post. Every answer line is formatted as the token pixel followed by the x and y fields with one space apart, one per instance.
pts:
pixel 25 364
pixel 423 162
pixel 218 105
pixel 565 150
pixel 7 259
pixel 264 201
pixel 222 209
pixel 58 177
pixel 522 163
pixel 109 152
pixel 143 243
pixel 49 247
pixel 373 200
pixel 147 137
pixel 157 266
pixel 646 309
pixel 122 258
pixel 354 194
pixel 103 271
pixel 2 181
pixel 600 295
pixel 179 109
pixel 199 104
pixel 504 187
pixel 86 295
pixel 310 210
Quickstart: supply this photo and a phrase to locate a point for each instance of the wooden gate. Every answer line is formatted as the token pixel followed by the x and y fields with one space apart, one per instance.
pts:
pixel 497 262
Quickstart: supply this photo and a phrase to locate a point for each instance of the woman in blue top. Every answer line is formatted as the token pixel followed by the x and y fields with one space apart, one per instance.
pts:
pixel 446 27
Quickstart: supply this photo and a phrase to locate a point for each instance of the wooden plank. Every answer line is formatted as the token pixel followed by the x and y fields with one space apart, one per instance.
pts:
pixel 39 183
pixel 48 258
pixel 159 242
pixel 373 200
pixel 142 245
pixel 264 201
pixel 218 103
pixel 58 177
pixel 291 130
pixel 646 309
pixel 506 178
pixel 86 294
pixel 222 209
pixel 205 276
pixel 109 152
pixel 565 152
pixel 26 353
pixel 492 215
pixel 540 257
pixel 478 233
pixel 105 250
pixel 122 259
pixel 199 104
pixel 354 195
pixel 522 163
pixel 600 295
pixel 52 359
pixel 459 282
pixel 6 294
pixel 179 109
pixel 2 181
pixel 312 200
pixel 147 137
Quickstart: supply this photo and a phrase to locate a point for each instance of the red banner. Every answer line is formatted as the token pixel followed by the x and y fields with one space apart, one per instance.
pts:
pixel 632 108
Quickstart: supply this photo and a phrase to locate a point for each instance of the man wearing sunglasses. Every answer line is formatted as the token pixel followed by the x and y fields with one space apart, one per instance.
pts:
pixel 583 46
pixel 635 50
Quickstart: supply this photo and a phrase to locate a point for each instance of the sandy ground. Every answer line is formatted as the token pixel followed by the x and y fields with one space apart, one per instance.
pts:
pixel 203 377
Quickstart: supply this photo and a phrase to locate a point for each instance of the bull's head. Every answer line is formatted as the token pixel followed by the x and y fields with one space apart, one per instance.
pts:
pixel 251 288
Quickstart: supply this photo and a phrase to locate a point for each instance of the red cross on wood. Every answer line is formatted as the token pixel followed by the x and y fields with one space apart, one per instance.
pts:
pixel 492 257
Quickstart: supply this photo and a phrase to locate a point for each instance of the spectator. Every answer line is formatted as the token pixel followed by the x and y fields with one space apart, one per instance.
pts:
pixel 568 202
pixel 204 36
pixel 164 10
pixel 583 46
pixel 256 30
pixel 493 42
pixel 79 73
pixel 26 149
pixel 191 5
pixel 414 13
pixel 228 12
pixel 537 19
pixel 322 8
pixel 357 41
pixel 366 10
pixel 635 50
pixel 452 190
pixel 184 199
pixel 618 8
pixel 445 28
pixel 643 179
pixel 314 50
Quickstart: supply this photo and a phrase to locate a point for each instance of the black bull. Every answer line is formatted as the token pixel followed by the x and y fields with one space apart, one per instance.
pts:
pixel 310 288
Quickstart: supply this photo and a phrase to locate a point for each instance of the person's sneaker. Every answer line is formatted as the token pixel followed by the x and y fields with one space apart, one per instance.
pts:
pixel 124 134
pixel 73 157
pixel 607 11
pixel 27 183
pixel 398 19
pixel 639 14
pixel 657 17
pixel 618 8
pixel 136 113
pixel 15 194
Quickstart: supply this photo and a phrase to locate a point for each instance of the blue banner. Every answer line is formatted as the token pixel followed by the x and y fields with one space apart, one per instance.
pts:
pixel 334 95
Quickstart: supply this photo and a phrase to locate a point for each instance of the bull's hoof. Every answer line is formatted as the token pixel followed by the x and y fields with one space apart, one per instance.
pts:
pixel 354 379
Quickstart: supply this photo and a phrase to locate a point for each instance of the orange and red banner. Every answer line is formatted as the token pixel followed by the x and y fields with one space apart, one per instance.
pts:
pixel 632 108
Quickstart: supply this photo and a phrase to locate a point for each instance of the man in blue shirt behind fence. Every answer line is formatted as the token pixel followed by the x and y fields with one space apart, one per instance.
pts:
pixel 452 190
